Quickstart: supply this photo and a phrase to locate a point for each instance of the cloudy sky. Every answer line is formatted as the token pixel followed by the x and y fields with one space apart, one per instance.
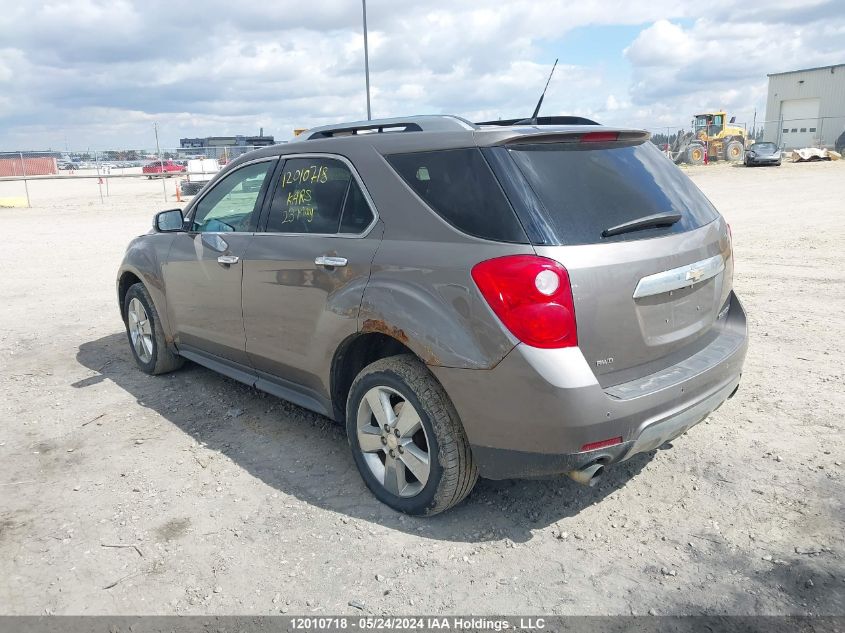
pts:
pixel 90 73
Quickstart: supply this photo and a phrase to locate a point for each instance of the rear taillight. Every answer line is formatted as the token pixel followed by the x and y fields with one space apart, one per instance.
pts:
pixel 532 297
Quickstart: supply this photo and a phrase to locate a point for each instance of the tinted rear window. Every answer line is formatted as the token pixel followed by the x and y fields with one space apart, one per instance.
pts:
pixel 586 189
pixel 459 186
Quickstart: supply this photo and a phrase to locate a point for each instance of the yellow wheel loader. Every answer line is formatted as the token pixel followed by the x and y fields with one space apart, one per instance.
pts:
pixel 711 135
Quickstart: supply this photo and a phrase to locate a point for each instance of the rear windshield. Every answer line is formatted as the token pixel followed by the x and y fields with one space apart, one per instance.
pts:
pixel 585 189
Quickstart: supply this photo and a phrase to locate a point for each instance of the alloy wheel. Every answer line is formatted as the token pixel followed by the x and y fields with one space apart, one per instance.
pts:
pixel 393 440
pixel 140 330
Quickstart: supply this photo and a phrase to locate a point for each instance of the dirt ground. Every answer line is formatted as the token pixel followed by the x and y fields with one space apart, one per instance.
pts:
pixel 190 493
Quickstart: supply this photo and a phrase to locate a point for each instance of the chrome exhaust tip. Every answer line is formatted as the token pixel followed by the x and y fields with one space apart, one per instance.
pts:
pixel 589 475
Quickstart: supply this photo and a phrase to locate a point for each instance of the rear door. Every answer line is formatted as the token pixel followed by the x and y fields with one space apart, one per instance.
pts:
pixel 644 298
pixel 305 273
pixel 204 268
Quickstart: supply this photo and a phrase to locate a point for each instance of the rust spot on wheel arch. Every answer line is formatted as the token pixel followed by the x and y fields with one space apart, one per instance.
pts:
pixel 377 325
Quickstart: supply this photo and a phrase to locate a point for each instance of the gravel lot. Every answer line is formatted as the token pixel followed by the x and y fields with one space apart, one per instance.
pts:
pixel 225 500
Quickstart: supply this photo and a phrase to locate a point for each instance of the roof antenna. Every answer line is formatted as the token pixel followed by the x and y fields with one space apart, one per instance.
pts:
pixel 533 119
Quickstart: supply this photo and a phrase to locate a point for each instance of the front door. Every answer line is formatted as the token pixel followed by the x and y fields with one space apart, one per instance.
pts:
pixel 305 273
pixel 204 268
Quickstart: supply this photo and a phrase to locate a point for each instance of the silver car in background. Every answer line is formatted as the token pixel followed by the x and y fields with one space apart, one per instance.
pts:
pixel 470 300
pixel 763 153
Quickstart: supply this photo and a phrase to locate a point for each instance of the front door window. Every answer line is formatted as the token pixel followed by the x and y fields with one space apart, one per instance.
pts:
pixel 230 205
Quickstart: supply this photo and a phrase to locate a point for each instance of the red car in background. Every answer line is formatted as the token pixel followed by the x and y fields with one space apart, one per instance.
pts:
pixel 162 167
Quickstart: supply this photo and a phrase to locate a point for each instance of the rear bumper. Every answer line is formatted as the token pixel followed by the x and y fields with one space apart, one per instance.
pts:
pixel 532 413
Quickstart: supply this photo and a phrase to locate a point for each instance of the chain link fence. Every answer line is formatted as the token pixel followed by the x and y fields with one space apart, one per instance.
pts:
pixel 183 170
pixel 826 132
pixel 187 168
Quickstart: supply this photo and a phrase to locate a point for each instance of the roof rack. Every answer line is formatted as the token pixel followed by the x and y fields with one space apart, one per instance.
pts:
pixel 422 123
pixel 543 120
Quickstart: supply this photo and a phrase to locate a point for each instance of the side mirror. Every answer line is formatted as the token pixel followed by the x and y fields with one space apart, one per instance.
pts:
pixel 169 221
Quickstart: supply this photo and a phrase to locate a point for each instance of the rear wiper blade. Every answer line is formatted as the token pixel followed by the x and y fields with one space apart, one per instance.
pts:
pixel 647 222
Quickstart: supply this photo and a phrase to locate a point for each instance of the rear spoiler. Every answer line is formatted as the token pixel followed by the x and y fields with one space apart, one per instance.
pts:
pixel 543 120
pixel 588 136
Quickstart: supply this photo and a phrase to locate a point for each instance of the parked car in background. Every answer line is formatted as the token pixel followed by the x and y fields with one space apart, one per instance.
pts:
pixel 762 153
pixel 162 168
pixel 469 300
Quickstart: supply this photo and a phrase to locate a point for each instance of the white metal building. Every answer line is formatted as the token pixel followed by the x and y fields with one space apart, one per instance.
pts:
pixel 806 108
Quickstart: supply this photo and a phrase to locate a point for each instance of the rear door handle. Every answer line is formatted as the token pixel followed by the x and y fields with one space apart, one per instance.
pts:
pixel 330 262
pixel 227 260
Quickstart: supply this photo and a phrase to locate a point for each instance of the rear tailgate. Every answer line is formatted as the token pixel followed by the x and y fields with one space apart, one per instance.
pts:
pixel 684 280
pixel 645 297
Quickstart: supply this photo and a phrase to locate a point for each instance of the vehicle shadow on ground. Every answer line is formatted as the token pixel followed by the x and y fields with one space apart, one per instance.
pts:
pixel 802 584
pixel 306 455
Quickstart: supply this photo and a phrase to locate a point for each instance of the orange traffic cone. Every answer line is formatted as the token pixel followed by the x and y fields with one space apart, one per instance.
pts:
pixel 178 193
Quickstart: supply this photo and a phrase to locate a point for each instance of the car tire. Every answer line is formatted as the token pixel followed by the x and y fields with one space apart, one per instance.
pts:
pixel 428 434
pixel 145 335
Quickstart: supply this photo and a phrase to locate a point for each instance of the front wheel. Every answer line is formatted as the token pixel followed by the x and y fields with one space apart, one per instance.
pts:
pixel 406 438
pixel 146 338
pixel 734 151
pixel 695 155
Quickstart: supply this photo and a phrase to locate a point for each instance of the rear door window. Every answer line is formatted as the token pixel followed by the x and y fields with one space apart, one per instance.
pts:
pixel 459 186
pixel 584 189
pixel 318 196
pixel 357 214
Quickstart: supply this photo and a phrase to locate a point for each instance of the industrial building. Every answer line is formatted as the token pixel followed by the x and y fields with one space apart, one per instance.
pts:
pixel 806 108
pixel 223 146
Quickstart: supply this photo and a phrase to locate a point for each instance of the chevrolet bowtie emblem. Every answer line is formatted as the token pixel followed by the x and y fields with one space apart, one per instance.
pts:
pixel 695 275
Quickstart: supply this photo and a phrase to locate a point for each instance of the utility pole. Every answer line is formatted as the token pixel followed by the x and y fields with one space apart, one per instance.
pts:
pixel 367 62
pixel 160 162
